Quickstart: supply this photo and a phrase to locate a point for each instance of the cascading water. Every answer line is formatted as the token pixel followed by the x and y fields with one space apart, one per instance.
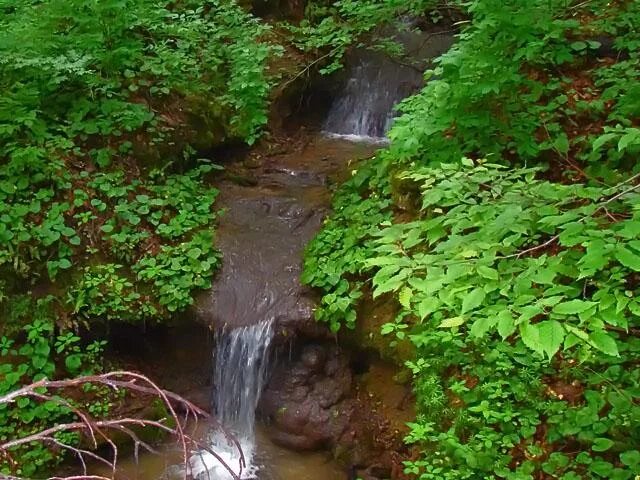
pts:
pixel 241 361
pixel 365 108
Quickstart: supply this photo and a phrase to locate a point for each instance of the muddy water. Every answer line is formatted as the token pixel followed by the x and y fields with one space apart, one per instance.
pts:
pixel 264 230
pixel 276 463
pixel 274 202
pixel 262 236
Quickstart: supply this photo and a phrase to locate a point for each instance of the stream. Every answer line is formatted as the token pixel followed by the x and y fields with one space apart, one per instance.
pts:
pixel 274 201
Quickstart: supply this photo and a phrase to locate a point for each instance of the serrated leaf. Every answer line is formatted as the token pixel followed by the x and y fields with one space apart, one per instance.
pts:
pixel 473 300
pixel 531 337
pixel 604 343
pixel 551 335
pixel 404 297
pixel 452 322
pixel 572 307
pixel 628 258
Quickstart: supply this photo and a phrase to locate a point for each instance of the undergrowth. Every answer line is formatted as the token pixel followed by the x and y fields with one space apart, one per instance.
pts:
pixel 503 222
pixel 106 213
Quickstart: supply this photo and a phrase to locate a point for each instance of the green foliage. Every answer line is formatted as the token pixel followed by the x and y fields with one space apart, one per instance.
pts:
pixel 72 70
pixel 41 352
pixel 93 92
pixel 335 257
pixel 516 287
pixel 347 23
pixel 83 84
pixel 159 230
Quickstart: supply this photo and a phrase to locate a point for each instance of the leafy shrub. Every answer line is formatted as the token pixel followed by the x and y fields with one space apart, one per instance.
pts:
pixel 515 285
pixel 36 352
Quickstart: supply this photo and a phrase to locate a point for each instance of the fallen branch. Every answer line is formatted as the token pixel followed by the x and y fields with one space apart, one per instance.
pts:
pixel 104 428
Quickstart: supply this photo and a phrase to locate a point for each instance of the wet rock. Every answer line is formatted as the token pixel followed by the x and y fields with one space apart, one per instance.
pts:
pixel 306 400
pixel 314 357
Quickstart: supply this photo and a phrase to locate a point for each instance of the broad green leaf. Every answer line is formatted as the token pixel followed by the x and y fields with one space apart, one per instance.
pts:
pixel 531 337
pixel 631 137
pixel 628 258
pixel 482 325
pixel 473 300
pixel 602 139
pixel 604 343
pixel 561 143
pixel 428 306
pixel 489 273
pixel 64 263
pixel 551 335
pixel 572 307
pixel 602 444
pixel 452 322
pixel 630 458
pixel 506 324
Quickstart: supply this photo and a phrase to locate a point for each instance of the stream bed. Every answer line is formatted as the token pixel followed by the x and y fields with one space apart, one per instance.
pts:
pixel 273 203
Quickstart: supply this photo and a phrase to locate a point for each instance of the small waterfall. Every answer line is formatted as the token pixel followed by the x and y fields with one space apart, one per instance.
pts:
pixel 241 359
pixel 365 108
pixel 376 83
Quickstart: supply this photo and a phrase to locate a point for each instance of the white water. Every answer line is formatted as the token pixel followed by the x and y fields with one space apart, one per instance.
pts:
pixel 365 109
pixel 241 360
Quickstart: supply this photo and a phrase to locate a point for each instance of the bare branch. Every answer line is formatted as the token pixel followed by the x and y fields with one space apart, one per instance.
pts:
pixel 103 429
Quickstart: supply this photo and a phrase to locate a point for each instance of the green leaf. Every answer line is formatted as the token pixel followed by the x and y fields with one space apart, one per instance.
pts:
pixel 578 45
pixel 452 322
pixel 64 263
pixel 473 300
pixel 572 307
pixel 630 458
pixel 490 273
pixel 602 444
pixel 73 362
pixel 506 324
pixel 602 139
pixel 561 143
pixel 628 258
pixel 531 337
pixel 551 335
pixel 629 138
pixel 604 343
pixel 427 306
pixel 482 325
pixel 404 297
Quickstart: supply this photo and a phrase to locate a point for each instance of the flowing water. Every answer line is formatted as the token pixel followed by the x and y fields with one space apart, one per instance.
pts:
pixel 241 360
pixel 366 107
pixel 262 236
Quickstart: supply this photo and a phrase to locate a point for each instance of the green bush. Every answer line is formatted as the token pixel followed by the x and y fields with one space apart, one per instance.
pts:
pixel 503 219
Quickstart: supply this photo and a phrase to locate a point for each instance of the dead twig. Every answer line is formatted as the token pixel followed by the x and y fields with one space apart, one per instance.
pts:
pixel 104 428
